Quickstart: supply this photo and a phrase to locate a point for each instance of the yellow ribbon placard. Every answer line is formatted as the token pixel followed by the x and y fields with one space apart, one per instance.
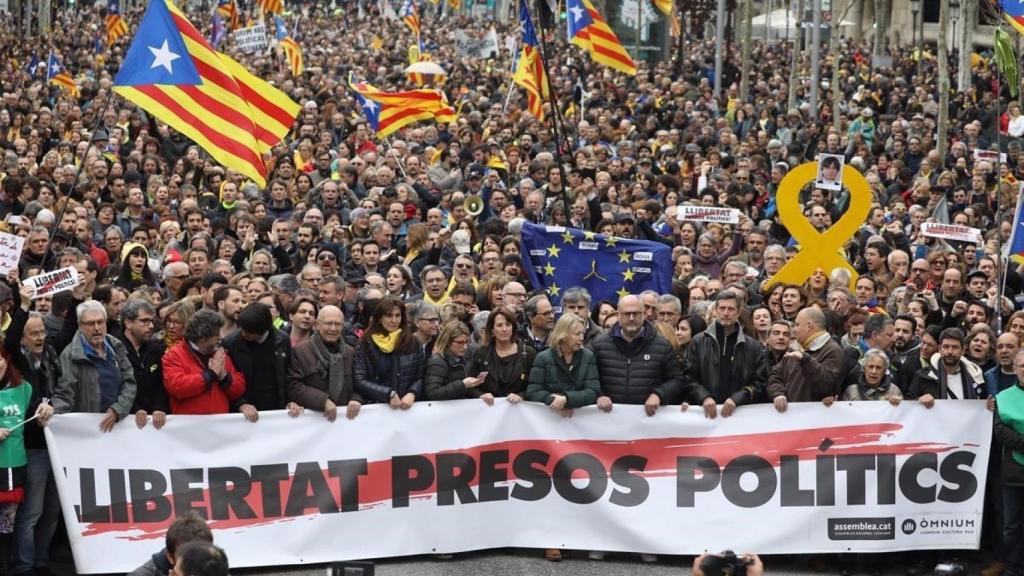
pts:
pixel 818 250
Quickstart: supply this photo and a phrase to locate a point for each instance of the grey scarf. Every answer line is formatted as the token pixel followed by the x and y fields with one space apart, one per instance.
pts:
pixel 330 364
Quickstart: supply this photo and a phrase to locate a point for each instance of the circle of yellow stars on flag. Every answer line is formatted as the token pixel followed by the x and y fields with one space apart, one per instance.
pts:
pixel 554 251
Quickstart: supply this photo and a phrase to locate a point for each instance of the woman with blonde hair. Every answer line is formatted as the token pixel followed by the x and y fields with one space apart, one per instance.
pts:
pixel 174 317
pixel 564 377
pixel 447 377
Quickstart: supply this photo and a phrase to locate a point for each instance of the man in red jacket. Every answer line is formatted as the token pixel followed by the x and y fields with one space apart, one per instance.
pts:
pixel 198 374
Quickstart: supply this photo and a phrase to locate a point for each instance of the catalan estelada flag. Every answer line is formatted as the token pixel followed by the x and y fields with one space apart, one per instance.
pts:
pixel 272 6
pixel 58 75
pixel 1013 12
pixel 228 10
pixel 411 16
pixel 389 111
pixel 291 48
pixel 1015 247
pixel 530 72
pixel 172 73
pixel 588 30
pixel 116 26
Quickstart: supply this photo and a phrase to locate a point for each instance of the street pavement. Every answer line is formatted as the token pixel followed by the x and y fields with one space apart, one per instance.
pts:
pixel 532 563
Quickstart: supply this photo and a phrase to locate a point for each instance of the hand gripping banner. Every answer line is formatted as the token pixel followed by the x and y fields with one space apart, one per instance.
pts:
pixel 457 476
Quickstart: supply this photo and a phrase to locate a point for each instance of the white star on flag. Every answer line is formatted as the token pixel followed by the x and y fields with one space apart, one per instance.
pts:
pixel 369 105
pixel 163 56
pixel 577 13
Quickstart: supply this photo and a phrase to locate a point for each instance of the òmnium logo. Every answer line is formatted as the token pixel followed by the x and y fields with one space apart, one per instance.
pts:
pixel 862 528
pixel 940 524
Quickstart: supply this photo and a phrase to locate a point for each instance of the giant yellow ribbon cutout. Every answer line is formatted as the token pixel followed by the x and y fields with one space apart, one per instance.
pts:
pixel 818 250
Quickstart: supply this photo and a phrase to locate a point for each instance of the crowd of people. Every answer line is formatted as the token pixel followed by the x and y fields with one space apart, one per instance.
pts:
pixel 358 276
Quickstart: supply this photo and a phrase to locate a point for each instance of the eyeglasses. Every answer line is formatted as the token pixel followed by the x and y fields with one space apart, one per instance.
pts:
pixel 462 342
pixel 432 319
pixel 93 323
pixel 144 320
pixel 520 295
pixel 326 256
pixel 464 266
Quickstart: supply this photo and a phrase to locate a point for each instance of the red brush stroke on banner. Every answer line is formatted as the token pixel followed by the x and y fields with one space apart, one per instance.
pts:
pixel 660 452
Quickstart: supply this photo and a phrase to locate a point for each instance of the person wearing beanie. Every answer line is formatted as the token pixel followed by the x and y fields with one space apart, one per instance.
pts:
pixel 262 354
pixel 134 271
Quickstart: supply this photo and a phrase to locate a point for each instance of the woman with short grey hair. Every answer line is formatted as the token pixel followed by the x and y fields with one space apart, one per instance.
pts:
pixel 873 380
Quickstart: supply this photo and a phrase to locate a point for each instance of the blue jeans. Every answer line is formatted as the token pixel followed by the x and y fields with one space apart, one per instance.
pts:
pixel 38 515
pixel 1013 530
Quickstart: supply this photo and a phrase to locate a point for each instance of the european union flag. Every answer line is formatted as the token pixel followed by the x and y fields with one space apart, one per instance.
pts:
pixel 558 258
pixel 1015 248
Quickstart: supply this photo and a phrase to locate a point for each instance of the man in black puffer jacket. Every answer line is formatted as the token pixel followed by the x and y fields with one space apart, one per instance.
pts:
pixel 637 365
pixel 723 365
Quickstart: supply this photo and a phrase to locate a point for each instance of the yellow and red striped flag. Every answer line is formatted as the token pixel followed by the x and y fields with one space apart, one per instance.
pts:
pixel 387 112
pixel 115 24
pixel 272 6
pixel 228 10
pixel 172 73
pixel 530 72
pixel 288 44
pixel 588 30
pixel 57 75
pixel 411 16
pixel 667 7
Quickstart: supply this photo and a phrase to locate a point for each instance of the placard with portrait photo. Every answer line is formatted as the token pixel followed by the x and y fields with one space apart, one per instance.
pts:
pixel 830 172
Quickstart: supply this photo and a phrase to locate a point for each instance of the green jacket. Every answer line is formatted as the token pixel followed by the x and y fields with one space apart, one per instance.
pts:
pixel 13 458
pixel 549 376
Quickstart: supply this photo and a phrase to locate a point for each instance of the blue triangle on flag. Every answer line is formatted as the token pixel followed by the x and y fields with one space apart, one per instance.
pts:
pixel 158 54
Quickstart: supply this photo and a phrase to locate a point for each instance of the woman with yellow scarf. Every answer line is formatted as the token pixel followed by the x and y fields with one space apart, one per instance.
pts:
pixel 389 362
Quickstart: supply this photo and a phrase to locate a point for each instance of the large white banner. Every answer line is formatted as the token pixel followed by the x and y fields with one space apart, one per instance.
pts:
pixel 457 476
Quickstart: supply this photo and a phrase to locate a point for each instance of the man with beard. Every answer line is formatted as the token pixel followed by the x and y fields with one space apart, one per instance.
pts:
pixel 145 353
pixel 320 374
pixel 306 237
pixel 227 301
pixel 948 375
pixel 904 343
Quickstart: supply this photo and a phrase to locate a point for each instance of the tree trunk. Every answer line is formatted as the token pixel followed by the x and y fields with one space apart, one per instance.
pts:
pixel 833 49
pixel 815 55
pixel 965 42
pixel 794 67
pixel 747 38
pixel 943 49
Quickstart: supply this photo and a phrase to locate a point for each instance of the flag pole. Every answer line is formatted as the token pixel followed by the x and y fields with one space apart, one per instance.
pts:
pixel 512 78
pixel 553 101
pixel 1000 289
pixel 78 173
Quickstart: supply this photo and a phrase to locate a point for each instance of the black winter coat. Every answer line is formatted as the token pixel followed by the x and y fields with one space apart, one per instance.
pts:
pixel 150 394
pixel 241 353
pixel 700 369
pixel 377 374
pixel 630 372
pixel 443 379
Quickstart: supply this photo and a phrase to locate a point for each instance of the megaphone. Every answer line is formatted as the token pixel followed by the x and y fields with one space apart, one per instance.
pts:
pixel 474 205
